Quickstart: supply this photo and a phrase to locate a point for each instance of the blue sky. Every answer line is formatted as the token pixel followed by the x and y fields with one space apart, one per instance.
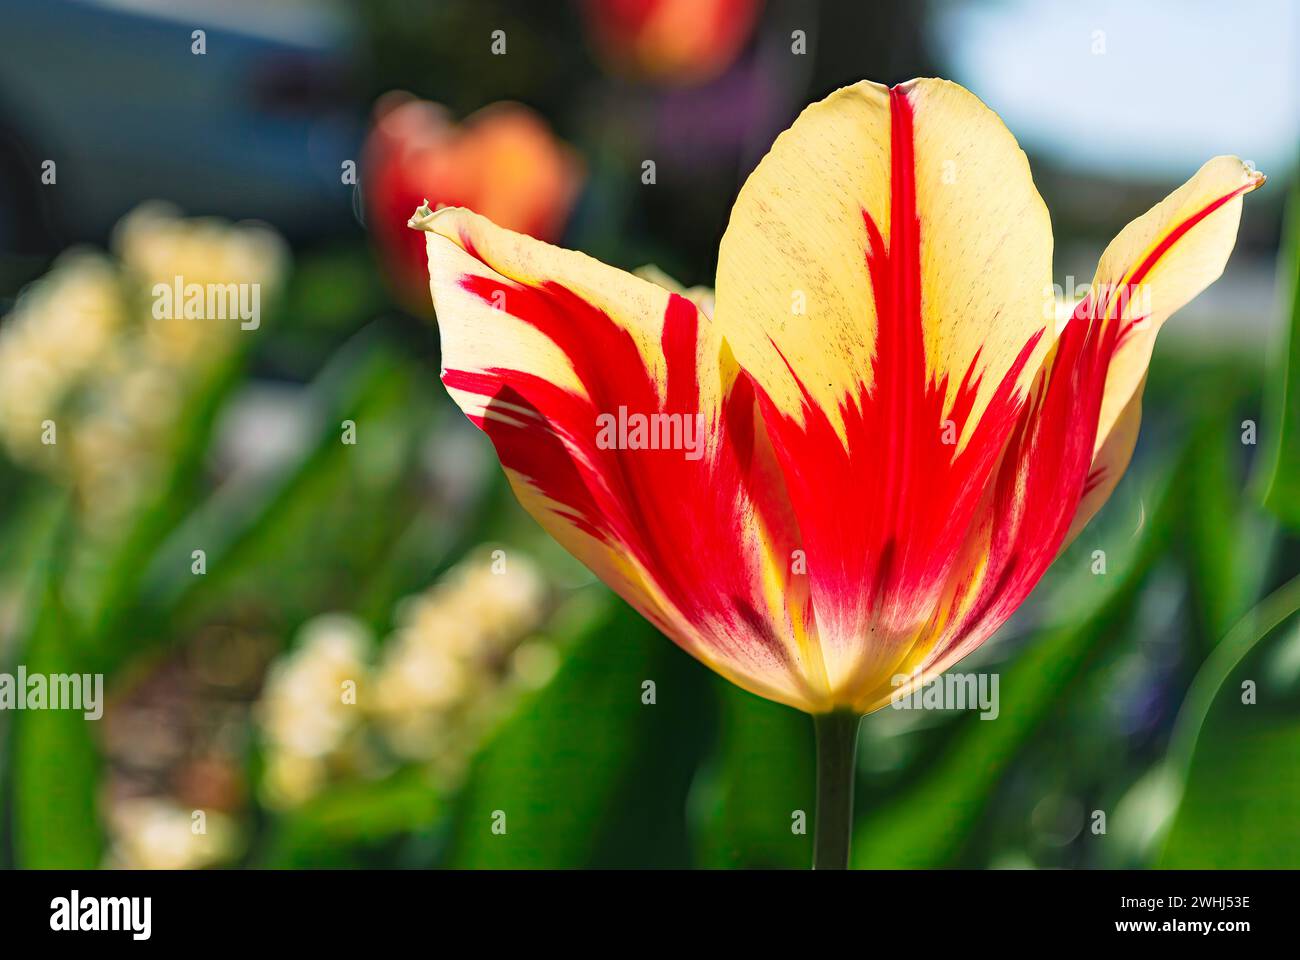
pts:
pixel 1177 83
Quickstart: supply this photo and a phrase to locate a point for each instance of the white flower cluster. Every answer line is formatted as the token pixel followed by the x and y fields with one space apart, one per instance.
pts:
pixel 460 654
pixel 91 380
pixel 154 833
pixel 308 711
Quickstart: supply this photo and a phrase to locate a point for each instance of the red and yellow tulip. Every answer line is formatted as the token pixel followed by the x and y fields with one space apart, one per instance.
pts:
pixel 897 437
pixel 503 162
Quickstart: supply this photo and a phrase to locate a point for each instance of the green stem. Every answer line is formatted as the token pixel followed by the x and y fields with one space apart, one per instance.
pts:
pixel 837 745
pixel 1266 617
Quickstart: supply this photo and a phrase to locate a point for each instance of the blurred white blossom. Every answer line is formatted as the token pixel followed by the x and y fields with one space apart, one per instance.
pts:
pixel 152 833
pixel 309 705
pixel 92 381
pixel 459 656
pixel 448 668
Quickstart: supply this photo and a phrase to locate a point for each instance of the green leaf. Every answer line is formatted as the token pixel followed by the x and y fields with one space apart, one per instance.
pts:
pixel 586 773
pixel 109 614
pixel 1241 806
pixel 55 757
pixel 762 776
pixel 278 527
pixel 1227 554
pixel 1231 765
pixel 330 829
pixel 1282 476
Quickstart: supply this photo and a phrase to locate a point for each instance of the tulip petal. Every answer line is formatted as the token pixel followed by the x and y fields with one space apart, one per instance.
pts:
pixel 885 278
pixel 1029 507
pixel 552 353
pixel 1159 262
pixel 1074 439
pixel 1108 463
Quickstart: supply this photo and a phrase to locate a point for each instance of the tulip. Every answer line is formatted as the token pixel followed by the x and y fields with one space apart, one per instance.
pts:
pixel 899 435
pixel 503 162
pixel 676 42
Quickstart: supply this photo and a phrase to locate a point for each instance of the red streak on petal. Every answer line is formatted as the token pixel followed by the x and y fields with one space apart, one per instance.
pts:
pixel 1050 456
pixel 679 518
pixel 1179 231
pixel 884 513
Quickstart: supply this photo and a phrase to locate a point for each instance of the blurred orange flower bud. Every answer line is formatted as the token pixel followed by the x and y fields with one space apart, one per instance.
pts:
pixel 503 162
pixel 678 42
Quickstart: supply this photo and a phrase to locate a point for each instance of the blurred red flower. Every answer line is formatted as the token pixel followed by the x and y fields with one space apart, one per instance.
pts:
pixel 677 42
pixel 503 162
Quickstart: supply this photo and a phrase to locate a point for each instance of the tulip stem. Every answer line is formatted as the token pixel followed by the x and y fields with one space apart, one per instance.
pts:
pixel 837 746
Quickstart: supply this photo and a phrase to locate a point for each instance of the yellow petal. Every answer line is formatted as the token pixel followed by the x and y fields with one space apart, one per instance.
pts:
pixel 1158 263
pixel 792 267
pixel 885 278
